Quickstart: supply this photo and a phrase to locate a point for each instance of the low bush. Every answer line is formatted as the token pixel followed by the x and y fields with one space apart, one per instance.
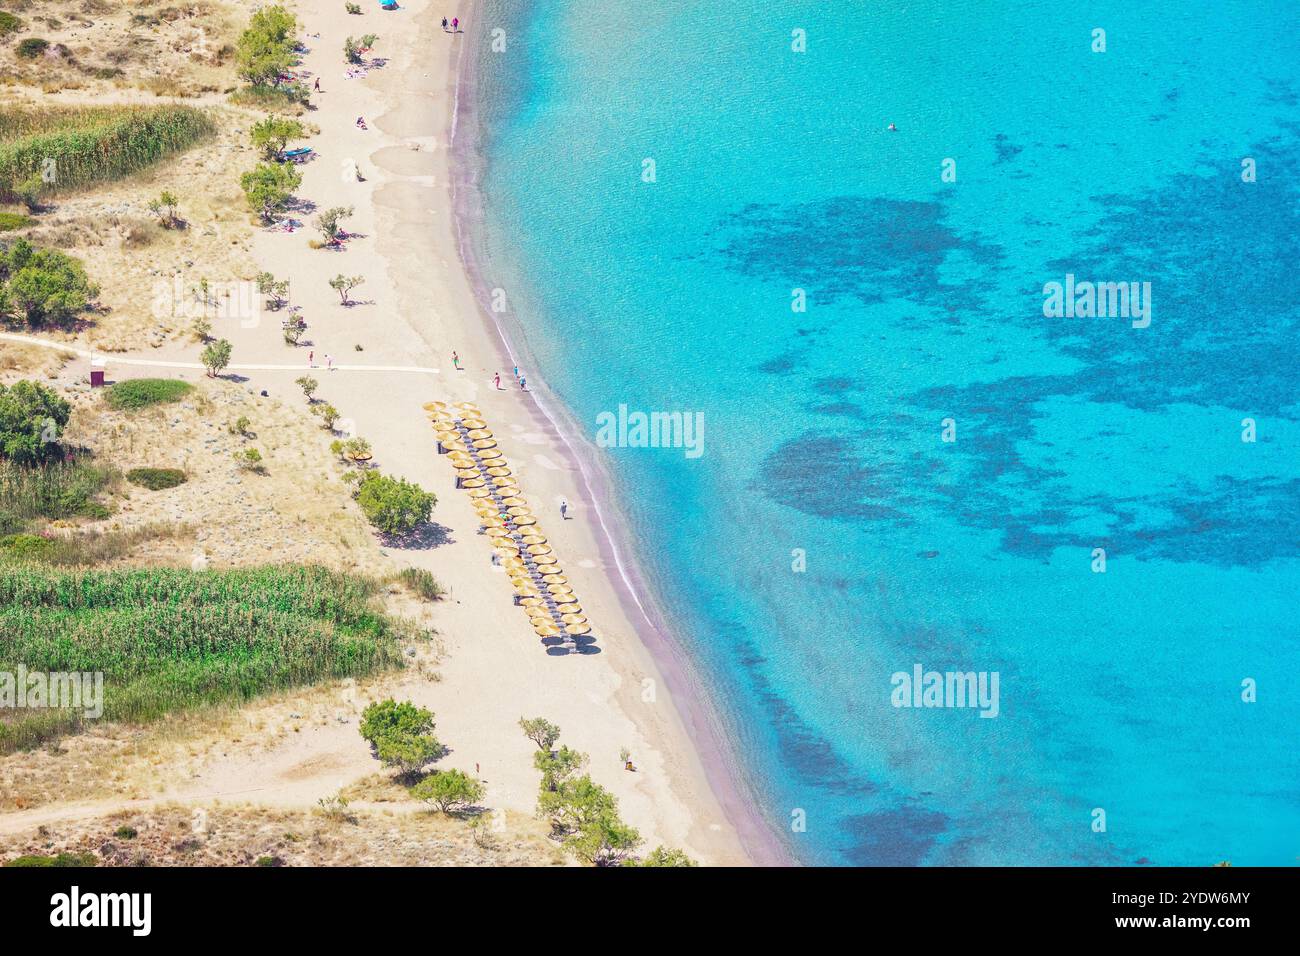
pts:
pixel 32 47
pixel 142 392
pixel 156 479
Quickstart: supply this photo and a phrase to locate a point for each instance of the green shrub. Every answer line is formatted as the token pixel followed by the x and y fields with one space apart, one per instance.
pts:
pixel 9 24
pixel 33 47
pixel 125 832
pixel 269 187
pixel 43 285
pixel 142 392
pixel 400 735
pixel 32 418
pixel 394 506
pixel 449 790
pixel 265 50
pixel 10 221
pixel 25 547
pixel 156 479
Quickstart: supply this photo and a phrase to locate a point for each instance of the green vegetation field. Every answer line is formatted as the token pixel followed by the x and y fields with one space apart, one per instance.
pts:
pixel 92 144
pixel 169 639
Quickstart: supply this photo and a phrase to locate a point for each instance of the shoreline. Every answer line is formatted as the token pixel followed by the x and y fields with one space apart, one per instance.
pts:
pixel 686 690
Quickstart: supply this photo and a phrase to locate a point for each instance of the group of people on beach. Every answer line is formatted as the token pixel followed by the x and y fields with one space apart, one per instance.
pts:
pixel 496 378
pixel 455 25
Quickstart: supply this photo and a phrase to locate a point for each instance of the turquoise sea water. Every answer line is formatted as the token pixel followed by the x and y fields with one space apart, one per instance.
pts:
pixel 1119 691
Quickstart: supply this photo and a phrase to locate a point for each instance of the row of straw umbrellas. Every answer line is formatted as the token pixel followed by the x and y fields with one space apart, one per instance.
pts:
pixel 518 544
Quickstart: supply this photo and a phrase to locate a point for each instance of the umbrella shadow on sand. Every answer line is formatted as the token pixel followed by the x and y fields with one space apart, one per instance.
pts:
pixel 560 647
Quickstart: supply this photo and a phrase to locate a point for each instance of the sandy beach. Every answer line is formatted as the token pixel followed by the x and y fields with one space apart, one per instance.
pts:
pixel 418 304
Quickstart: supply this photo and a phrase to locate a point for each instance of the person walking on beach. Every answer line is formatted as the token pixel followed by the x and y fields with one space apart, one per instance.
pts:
pixel 316 85
pixel 564 509
pixel 455 361
pixel 496 380
pixel 311 359
pixel 329 363
pixel 444 24
pixel 455 24
pixel 516 373
pixel 523 384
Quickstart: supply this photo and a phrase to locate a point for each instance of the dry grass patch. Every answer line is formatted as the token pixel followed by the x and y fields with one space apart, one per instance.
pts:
pixel 251 835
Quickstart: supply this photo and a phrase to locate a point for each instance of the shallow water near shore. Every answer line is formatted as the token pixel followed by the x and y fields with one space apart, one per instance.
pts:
pixel 828 537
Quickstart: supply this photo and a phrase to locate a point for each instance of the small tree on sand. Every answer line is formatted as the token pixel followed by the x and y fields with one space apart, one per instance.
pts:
pixel 215 357
pixel 541 732
pixel 275 290
pixel 269 187
pixel 328 222
pixel 164 207
pixel 604 841
pixel 343 285
pixel 328 415
pixel 307 384
pixel 448 790
pixel 400 735
pixel 395 507
pixel 352 48
pixel 272 135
